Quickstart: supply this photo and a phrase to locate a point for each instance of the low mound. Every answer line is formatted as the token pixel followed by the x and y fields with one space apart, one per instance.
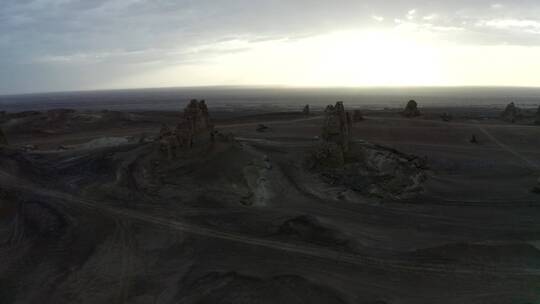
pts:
pixel 411 109
pixel 512 113
pixel 372 170
pixel 231 287
pixel 306 110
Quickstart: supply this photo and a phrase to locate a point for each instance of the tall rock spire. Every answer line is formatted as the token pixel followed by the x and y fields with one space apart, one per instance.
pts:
pixel 411 110
pixel 337 126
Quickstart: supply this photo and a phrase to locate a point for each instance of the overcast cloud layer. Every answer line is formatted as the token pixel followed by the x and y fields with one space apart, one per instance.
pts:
pixel 80 44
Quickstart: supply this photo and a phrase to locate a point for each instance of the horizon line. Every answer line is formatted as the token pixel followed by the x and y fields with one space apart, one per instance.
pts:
pixel 272 86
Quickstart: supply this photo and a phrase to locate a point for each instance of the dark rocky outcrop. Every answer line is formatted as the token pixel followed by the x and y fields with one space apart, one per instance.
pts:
pixel 168 141
pixel 336 136
pixel 327 155
pixel 194 130
pixel 196 126
pixel 411 110
pixel 377 171
pixel 306 110
pixel 337 126
pixel 537 121
pixel 363 167
pixel 3 139
pixel 511 113
pixel 357 116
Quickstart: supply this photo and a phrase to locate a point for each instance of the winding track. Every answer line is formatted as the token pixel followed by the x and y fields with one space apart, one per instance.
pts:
pixel 530 164
pixel 507 148
pixel 324 253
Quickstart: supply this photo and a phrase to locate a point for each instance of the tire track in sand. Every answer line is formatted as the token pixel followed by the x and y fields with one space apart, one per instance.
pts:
pixel 309 250
pixel 532 165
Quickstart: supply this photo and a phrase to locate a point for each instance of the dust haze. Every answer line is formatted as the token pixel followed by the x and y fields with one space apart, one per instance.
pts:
pixel 199 152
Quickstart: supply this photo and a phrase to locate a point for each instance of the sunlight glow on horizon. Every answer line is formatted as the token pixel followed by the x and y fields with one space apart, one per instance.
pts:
pixel 60 45
pixel 404 56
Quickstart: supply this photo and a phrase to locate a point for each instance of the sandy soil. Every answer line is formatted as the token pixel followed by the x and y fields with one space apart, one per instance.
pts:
pixel 109 219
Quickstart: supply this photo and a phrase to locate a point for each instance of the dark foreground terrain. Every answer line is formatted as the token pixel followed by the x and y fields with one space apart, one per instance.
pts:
pixel 92 210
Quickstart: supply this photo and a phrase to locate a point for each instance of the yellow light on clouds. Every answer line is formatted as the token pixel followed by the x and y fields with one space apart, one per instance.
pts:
pixel 404 56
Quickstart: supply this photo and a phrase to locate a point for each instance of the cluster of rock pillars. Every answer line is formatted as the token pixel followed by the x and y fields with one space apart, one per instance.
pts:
pixel 195 129
pixel 364 167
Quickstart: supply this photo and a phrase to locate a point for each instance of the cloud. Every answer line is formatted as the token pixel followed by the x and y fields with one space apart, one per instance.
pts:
pixel 430 17
pixel 411 14
pixel 40 38
pixel 532 26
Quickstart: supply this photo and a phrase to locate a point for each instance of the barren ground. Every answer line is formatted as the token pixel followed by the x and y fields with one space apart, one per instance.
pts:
pixel 108 219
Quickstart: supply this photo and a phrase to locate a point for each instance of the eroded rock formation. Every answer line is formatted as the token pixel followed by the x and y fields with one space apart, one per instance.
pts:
pixel 371 170
pixel 363 167
pixel 197 118
pixel 194 130
pixel 306 110
pixel 337 126
pixel 411 110
pixel 168 141
pixel 512 113
pixel 537 121
pixel 327 155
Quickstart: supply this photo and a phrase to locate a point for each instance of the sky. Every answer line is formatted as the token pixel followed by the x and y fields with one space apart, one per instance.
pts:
pixel 58 45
